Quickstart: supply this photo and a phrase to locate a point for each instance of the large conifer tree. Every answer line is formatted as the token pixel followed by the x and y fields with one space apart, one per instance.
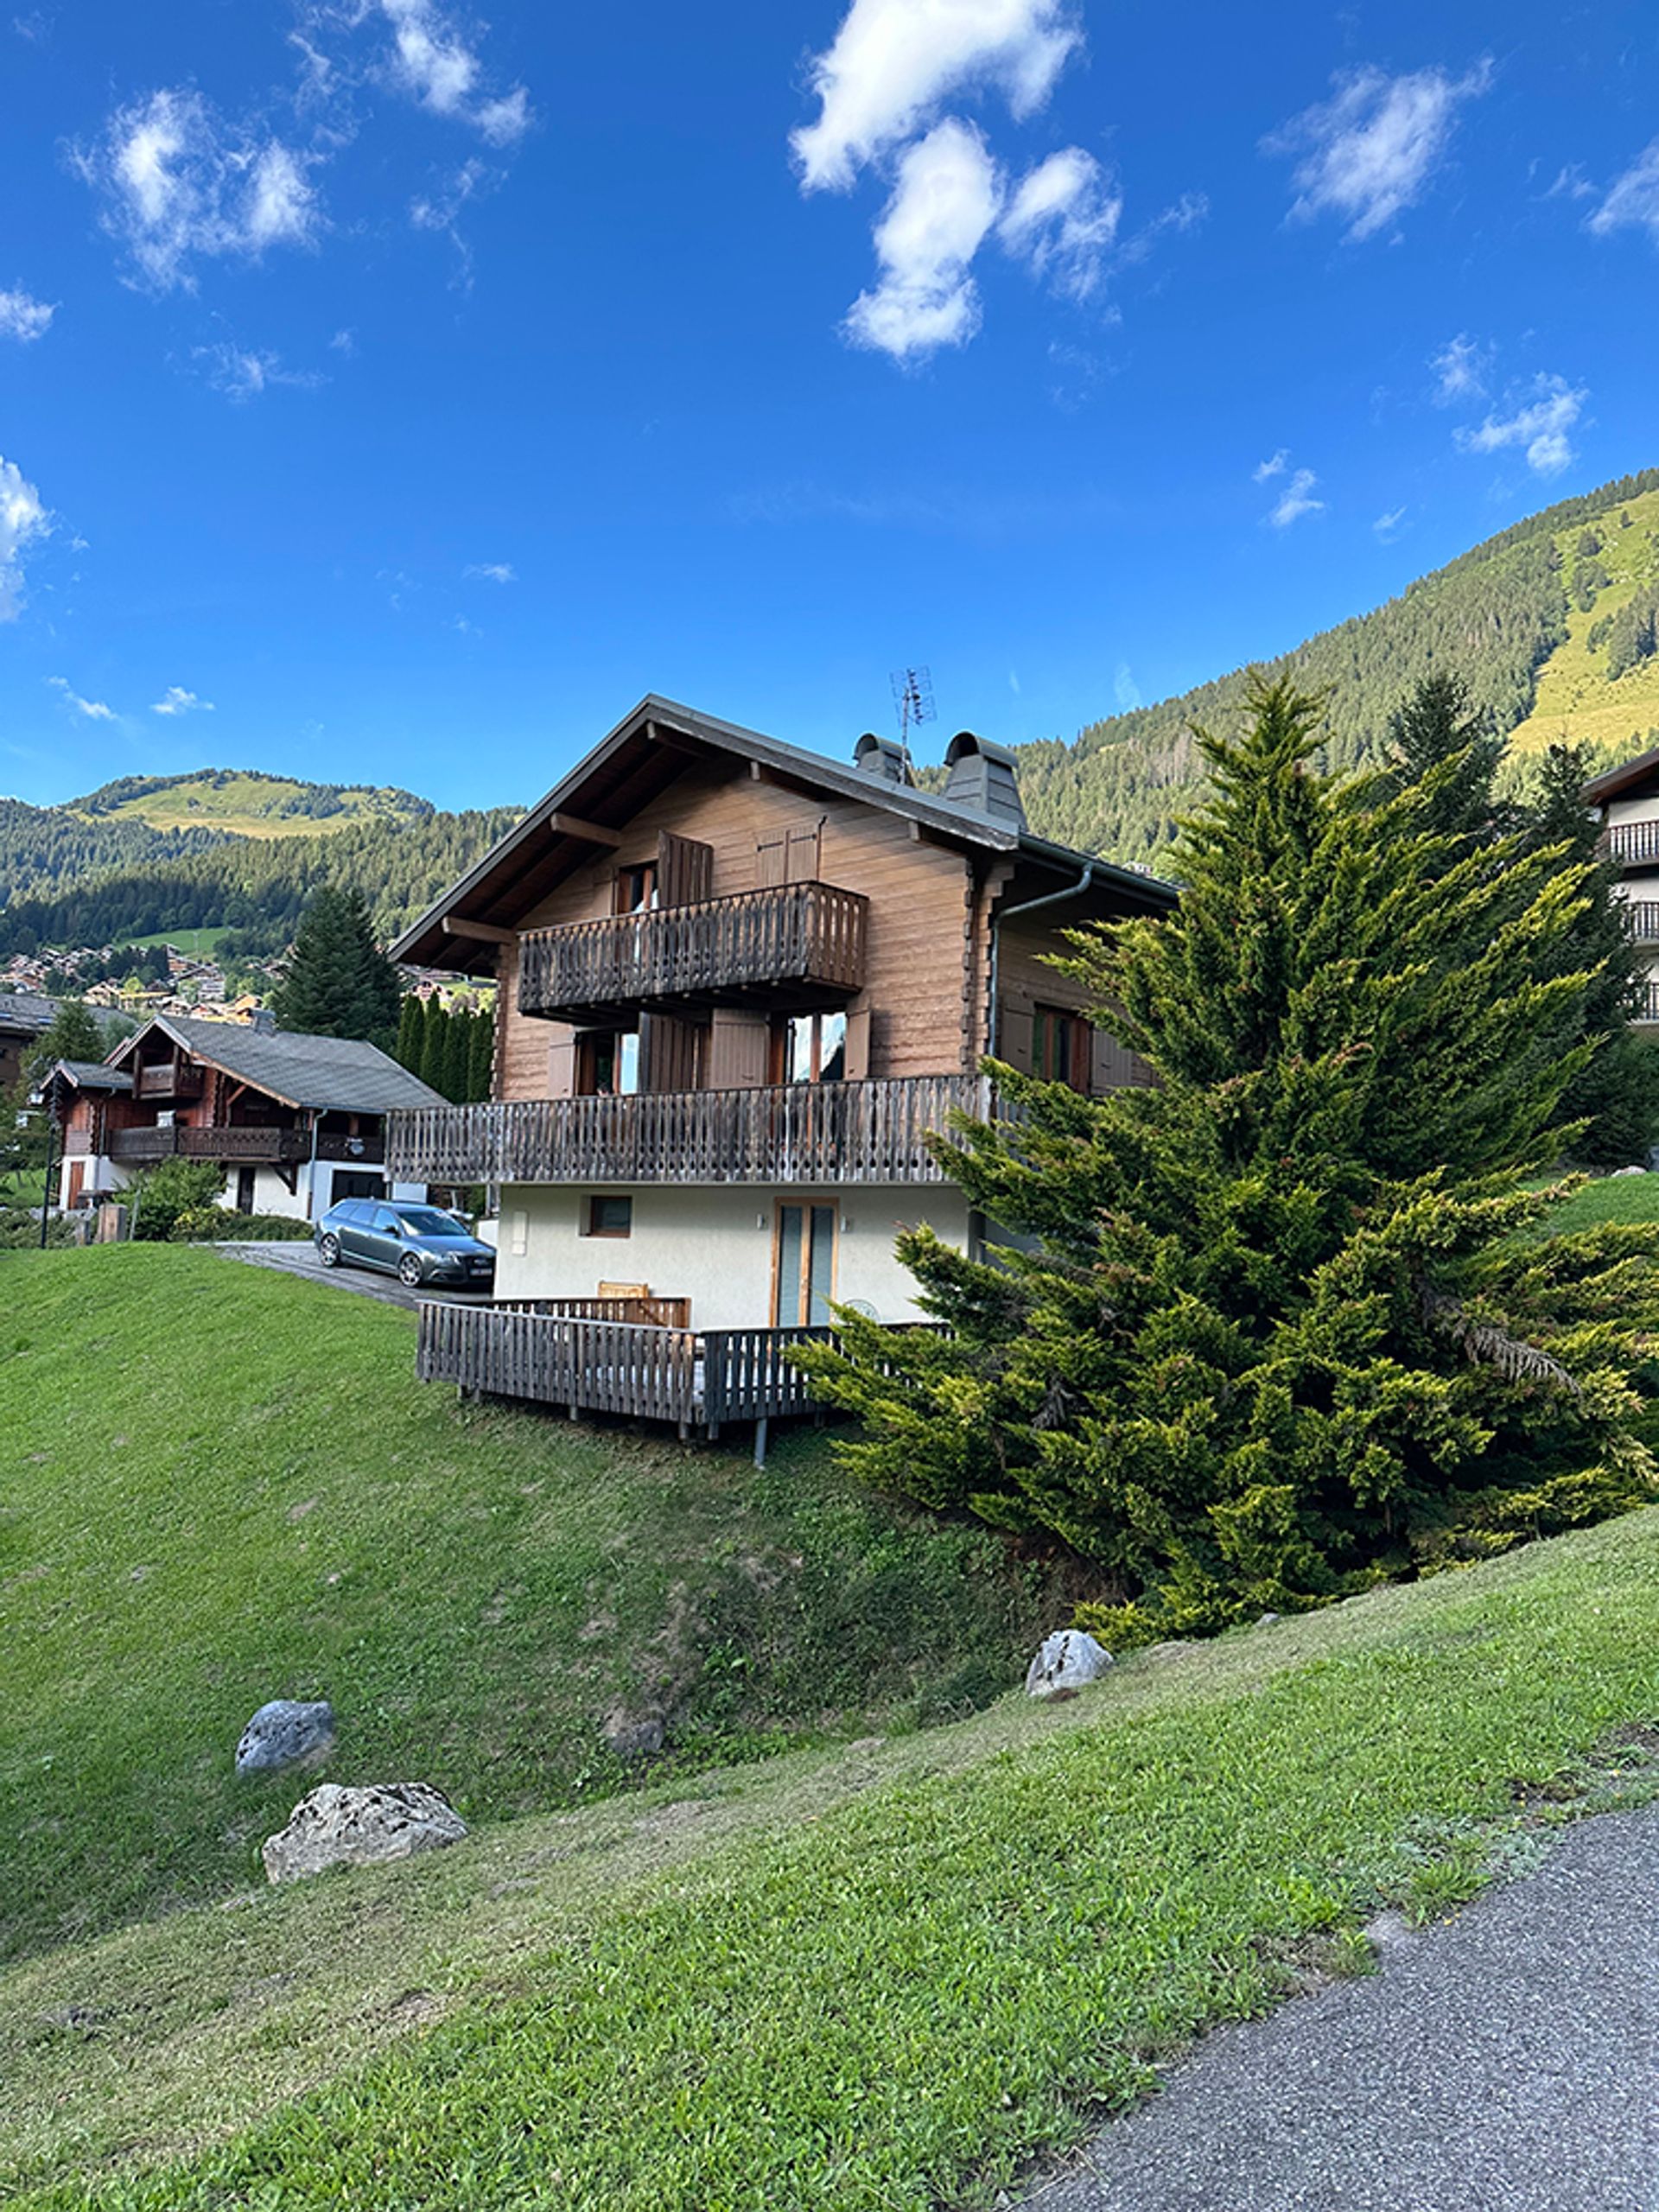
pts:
pixel 1277 1327
pixel 339 983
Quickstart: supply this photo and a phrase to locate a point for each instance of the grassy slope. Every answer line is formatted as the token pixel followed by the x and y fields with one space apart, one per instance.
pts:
pixel 249 805
pixel 219 1486
pixel 1574 698
pixel 875 1978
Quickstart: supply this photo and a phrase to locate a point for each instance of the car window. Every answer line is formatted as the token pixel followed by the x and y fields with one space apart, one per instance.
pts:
pixel 427 1221
pixel 386 1221
pixel 351 1210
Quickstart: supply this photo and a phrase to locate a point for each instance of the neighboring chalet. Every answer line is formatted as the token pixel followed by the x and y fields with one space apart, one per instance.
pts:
pixel 25 1016
pixel 296 1122
pixel 739 984
pixel 1626 799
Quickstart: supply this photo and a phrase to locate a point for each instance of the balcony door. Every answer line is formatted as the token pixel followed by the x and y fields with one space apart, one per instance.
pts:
pixel 802 1265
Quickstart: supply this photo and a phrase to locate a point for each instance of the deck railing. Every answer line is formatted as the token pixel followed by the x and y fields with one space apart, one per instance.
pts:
pixel 283 1147
pixel 1647 1004
pixel 699 1379
pixel 805 1133
pixel 1633 841
pixel 796 933
pixel 650 1312
pixel 1642 920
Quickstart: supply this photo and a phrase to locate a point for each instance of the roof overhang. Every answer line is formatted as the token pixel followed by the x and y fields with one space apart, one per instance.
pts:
pixel 1631 779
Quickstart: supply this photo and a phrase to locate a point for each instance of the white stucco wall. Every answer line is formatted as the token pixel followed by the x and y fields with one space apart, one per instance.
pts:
pixel 713 1246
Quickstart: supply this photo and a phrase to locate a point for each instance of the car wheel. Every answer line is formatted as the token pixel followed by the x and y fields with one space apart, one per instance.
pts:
pixel 328 1251
pixel 408 1271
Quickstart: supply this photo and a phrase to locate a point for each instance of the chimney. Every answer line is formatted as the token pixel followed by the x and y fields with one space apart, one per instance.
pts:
pixel 882 758
pixel 981 776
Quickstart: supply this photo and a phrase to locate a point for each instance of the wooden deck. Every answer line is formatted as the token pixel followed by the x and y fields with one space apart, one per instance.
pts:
pixel 799 935
pixel 798 1133
pixel 696 1379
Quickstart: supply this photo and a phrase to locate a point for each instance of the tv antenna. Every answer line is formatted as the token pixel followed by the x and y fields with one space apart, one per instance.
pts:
pixel 913 695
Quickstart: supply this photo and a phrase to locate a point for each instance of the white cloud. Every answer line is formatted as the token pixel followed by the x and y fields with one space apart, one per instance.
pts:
pixel 1063 219
pixel 1632 203
pixel 945 201
pixel 23 519
pixel 895 62
pixel 1297 498
pixel 435 66
pixel 442 211
pixel 93 709
pixel 492 572
pixel 1265 471
pixel 179 185
pixel 1539 424
pixel 1367 153
pixel 1125 690
pixel 242 374
pixel 175 699
pixel 1387 526
pixel 23 318
pixel 1461 368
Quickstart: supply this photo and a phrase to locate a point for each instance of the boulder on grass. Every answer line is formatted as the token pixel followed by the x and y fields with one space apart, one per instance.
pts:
pixel 341 1827
pixel 1067 1660
pixel 286 1732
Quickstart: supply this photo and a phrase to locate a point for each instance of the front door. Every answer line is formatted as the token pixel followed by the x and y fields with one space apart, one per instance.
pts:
pixel 804 1264
pixel 244 1188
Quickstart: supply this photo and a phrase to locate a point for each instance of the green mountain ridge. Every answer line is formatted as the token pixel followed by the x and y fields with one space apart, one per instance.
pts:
pixel 1515 616
pixel 247 802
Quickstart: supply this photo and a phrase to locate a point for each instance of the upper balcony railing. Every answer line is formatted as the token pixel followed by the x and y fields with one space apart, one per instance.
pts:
pixel 1647 1004
pixel 799 935
pixel 1632 841
pixel 805 1133
pixel 167 1079
pixel 274 1146
pixel 1642 920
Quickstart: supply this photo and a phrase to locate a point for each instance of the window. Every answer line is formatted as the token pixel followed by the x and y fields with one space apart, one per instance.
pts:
pixel 607 1063
pixel 809 1048
pixel 804 1264
pixel 635 889
pixel 1062 1046
pixel 609 1216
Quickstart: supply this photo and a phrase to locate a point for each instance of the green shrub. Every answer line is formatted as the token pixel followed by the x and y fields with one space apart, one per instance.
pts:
pixel 175 1187
pixel 223 1224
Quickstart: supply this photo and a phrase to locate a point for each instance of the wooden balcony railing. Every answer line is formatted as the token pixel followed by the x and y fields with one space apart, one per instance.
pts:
pixel 1642 920
pixel 648 1312
pixel 168 1080
pixel 283 1147
pixel 806 935
pixel 1647 1005
pixel 779 1133
pixel 1632 841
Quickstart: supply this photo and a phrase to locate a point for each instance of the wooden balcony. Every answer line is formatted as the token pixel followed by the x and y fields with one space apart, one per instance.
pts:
pixel 807 938
pixel 167 1079
pixel 792 1132
pixel 1634 842
pixel 285 1147
pixel 1647 1005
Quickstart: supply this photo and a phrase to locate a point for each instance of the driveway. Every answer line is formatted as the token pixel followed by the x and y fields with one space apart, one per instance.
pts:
pixel 1506 2062
pixel 301 1260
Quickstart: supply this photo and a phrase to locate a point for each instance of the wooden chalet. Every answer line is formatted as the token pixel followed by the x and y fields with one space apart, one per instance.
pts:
pixel 739 986
pixel 1626 800
pixel 296 1122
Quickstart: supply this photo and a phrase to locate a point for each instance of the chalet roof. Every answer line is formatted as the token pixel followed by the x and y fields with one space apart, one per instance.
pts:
pixel 1628 780
pixel 640 758
pixel 336 1074
pixel 28 1013
pixel 89 1075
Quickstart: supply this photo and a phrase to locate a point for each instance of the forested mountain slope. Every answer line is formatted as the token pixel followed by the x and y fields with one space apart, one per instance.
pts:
pixel 42 848
pixel 248 803
pixel 1554 624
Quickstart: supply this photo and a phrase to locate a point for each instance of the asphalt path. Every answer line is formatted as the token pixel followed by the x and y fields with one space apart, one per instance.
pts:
pixel 1507 2062
pixel 297 1259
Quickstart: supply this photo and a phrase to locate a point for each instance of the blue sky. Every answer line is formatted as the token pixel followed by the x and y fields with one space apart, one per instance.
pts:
pixel 390 392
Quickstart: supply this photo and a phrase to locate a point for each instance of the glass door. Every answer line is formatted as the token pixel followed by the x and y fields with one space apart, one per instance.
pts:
pixel 804 1265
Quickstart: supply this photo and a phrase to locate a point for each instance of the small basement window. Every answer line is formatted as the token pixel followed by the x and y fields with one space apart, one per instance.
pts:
pixel 609 1216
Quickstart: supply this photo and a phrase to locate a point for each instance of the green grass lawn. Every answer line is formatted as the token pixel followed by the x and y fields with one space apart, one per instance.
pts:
pixel 218 1485
pixel 203 943
pixel 1619 1198
pixel 881 1976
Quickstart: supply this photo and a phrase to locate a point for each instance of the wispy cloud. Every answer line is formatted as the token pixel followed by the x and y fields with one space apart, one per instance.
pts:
pixel 1125 690
pixel 1367 153
pixel 1539 422
pixel 178 185
pixel 94 710
pixel 1296 499
pixel 175 699
pixel 1461 368
pixel 492 572
pixel 1062 219
pixel 1387 526
pixel 243 373
pixel 23 520
pixel 440 210
pixel 1632 200
pixel 23 318
pixel 435 65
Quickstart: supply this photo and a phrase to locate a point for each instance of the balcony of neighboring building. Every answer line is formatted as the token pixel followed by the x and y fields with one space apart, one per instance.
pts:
pixel 805 940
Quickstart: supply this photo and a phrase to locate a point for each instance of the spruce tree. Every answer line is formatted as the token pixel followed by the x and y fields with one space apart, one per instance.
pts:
pixel 1275 1326
pixel 457 1055
pixel 1437 724
pixel 338 983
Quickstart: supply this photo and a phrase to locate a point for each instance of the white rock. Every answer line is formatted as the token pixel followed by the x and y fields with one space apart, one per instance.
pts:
pixel 341 1827
pixel 1068 1659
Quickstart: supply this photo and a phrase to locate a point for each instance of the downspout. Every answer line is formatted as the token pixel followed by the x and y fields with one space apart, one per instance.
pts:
pixel 976 1221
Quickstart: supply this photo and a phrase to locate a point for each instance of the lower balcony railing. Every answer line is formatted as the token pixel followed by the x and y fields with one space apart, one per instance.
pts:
pixel 872 1132
pixel 1647 1004
pixel 281 1146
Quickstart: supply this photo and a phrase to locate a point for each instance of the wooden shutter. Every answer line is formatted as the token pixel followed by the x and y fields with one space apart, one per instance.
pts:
pixel 771 864
pixel 858 1046
pixel 1014 1037
pixel 739 1049
pixel 668 1052
pixel 562 1065
pixel 685 870
pixel 1115 1066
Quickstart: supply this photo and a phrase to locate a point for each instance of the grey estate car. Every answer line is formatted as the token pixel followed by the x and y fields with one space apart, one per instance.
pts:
pixel 417 1243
